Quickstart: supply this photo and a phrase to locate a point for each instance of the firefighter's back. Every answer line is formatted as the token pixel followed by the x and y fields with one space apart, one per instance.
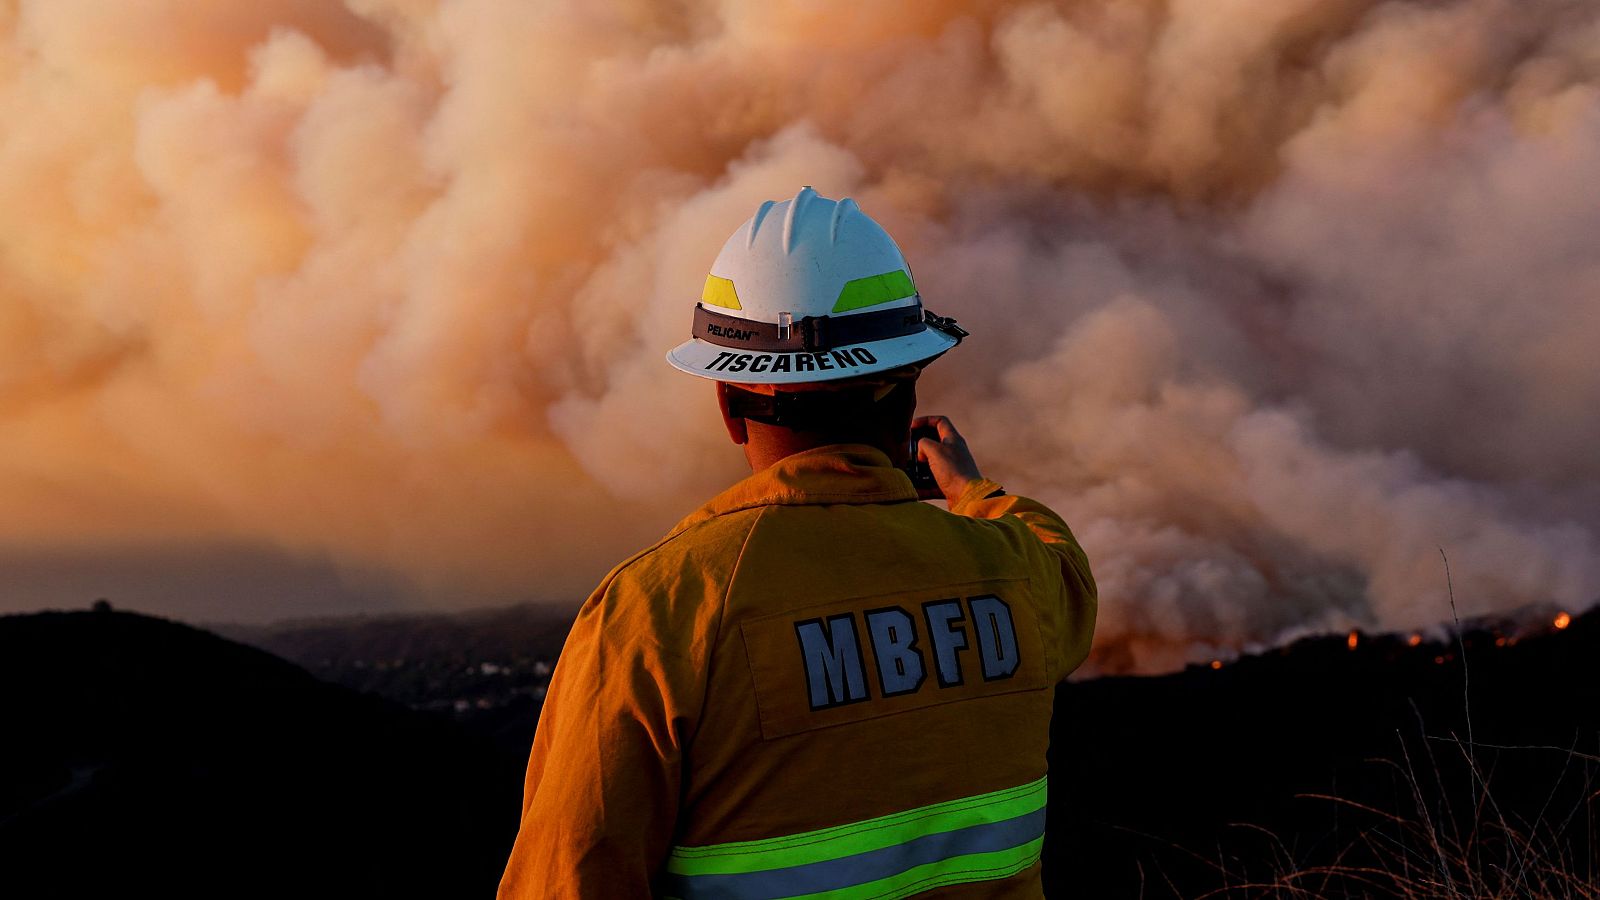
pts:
pixel 877 708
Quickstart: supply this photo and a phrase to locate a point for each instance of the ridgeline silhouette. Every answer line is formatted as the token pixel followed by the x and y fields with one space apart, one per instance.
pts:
pixel 147 757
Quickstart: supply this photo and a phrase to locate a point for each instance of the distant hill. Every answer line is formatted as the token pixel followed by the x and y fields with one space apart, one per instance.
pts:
pixel 182 764
pixel 150 758
pixel 487 669
pixel 508 634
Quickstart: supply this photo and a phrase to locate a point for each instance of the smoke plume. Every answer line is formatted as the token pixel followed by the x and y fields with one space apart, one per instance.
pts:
pixel 1271 300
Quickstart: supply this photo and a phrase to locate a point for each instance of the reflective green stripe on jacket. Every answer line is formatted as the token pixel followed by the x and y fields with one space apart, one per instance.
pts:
pixel 974 839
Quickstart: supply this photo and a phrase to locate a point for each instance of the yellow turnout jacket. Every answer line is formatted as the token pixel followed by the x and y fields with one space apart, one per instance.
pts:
pixel 814 685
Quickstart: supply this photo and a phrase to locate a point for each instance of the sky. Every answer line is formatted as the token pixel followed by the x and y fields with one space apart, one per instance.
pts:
pixel 309 307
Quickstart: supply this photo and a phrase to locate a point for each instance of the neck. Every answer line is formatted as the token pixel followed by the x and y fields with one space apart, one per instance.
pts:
pixel 888 429
pixel 768 444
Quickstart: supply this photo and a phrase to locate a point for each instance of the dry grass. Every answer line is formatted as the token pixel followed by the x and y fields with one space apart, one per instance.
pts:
pixel 1444 834
pixel 1443 842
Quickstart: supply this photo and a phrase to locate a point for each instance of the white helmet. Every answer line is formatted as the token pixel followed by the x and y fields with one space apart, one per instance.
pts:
pixel 807 290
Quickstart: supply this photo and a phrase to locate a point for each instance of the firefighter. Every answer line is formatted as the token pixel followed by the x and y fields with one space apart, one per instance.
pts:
pixel 814 684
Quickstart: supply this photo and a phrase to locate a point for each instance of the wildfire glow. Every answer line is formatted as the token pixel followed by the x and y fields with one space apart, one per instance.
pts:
pixel 1353 640
pixel 1414 640
pixel 1216 664
pixel 1562 621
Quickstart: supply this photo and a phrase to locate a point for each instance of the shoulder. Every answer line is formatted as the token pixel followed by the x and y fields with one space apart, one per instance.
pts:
pixel 672 592
pixel 708 547
pixel 1000 533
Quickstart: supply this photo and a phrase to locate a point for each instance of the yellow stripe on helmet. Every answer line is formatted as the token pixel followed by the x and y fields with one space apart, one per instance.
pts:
pixel 720 292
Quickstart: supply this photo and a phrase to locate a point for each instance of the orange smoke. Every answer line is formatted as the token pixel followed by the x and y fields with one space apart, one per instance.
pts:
pixel 1271 306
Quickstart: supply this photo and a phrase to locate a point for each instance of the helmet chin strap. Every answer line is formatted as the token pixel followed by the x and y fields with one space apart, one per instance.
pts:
pixel 737 430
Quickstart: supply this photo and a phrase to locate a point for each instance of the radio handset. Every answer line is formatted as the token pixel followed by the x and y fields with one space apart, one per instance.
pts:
pixel 920 473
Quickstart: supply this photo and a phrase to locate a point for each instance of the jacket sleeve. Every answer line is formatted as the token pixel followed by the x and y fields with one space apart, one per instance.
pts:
pixel 1056 558
pixel 603 779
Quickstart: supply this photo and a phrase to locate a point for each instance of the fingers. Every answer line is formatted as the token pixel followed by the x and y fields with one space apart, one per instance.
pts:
pixel 941 424
pixel 948 456
pixel 949 440
pixel 948 434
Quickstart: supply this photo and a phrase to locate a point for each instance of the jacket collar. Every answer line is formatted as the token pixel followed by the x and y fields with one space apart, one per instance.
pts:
pixel 838 473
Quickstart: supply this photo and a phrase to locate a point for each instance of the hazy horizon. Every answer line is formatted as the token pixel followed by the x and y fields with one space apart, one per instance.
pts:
pixel 216 585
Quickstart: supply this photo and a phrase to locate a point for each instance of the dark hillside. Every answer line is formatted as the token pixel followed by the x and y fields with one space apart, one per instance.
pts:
pixel 144 756
pixel 1163 778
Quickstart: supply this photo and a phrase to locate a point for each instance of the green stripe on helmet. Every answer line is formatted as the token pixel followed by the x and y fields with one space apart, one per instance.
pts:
pixel 873 290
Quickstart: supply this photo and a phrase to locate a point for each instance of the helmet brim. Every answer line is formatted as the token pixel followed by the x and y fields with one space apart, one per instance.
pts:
pixel 715 362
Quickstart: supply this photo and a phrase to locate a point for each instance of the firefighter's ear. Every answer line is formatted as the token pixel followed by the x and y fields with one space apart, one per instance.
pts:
pixel 735 424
